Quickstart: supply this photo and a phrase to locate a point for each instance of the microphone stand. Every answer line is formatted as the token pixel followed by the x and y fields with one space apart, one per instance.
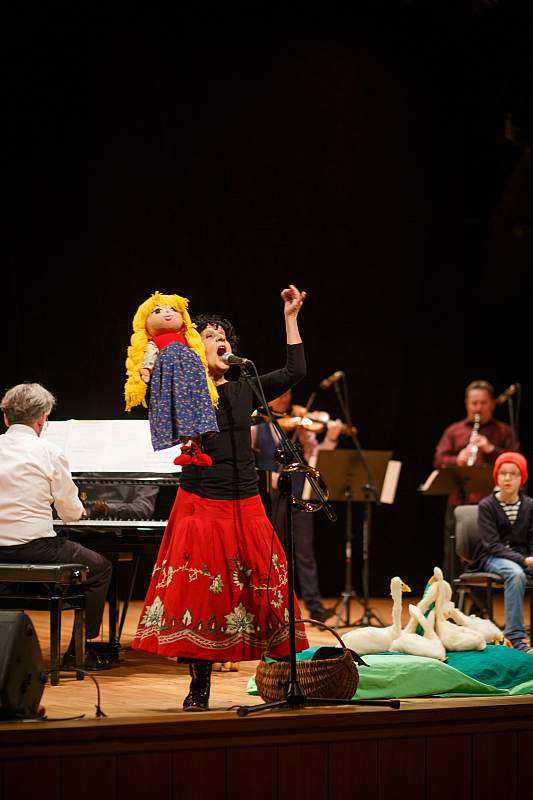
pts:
pixel 508 397
pixel 514 418
pixel 308 405
pixel 294 696
pixel 369 490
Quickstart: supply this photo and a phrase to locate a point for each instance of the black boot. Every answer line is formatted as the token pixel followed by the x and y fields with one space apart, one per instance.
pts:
pixel 198 697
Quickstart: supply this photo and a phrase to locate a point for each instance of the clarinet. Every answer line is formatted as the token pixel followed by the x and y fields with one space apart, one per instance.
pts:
pixel 471 443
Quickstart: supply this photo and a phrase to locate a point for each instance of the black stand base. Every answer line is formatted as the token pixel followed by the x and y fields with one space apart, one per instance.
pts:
pixel 347 598
pixel 364 621
pixel 297 703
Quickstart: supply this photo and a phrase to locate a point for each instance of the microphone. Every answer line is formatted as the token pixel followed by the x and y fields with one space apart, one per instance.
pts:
pixel 327 382
pixel 504 396
pixel 230 358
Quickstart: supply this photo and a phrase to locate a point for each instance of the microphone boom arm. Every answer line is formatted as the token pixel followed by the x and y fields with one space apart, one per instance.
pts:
pixel 295 462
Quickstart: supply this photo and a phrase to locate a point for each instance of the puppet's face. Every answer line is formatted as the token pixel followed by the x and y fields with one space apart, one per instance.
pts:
pixel 164 319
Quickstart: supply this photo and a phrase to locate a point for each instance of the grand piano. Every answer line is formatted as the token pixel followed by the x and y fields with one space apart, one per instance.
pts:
pixel 112 453
pixel 125 542
pixel 104 454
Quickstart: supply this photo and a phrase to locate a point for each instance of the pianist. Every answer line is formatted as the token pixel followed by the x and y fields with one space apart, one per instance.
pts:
pixel 34 473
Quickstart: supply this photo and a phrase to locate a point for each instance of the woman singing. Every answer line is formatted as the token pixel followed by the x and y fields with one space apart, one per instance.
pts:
pixel 219 589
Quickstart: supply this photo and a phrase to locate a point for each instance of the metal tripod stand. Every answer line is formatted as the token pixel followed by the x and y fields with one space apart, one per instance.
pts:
pixel 292 463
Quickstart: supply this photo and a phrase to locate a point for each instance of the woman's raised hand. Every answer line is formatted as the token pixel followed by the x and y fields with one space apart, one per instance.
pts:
pixel 293 300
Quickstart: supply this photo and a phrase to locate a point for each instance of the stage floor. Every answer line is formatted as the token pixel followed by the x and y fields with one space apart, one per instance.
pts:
pixel 147 685
pixel 147 746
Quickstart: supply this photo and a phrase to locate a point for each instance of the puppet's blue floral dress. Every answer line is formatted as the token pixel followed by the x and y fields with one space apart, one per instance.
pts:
pixel 180 405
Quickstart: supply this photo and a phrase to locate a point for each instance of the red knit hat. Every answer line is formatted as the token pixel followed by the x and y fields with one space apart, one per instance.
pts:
pixel 511 458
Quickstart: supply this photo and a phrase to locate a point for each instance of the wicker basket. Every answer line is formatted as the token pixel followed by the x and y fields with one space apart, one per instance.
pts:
pixel 328 678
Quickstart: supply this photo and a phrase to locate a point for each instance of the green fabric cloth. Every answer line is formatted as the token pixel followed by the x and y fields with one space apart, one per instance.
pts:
pixel 419 629
pixel 496 665
pixel 496 670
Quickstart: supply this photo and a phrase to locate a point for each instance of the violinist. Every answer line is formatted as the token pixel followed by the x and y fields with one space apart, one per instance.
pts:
pixel 305 428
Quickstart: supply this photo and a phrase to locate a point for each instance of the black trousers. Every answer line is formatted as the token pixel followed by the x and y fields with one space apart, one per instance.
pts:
pixel 56 550
pixel 304 549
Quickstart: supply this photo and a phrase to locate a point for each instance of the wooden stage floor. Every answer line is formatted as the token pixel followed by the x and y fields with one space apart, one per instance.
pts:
pixel 147 747
pixel 149 685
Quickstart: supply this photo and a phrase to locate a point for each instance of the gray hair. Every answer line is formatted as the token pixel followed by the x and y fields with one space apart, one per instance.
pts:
pixel 26 403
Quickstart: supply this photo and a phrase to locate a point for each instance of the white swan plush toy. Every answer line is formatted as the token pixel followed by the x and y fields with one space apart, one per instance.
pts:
pixel 487 628
pixel 454 637
pixel 367 641
pixel 428 645
pixel 423 605
pixel 484 626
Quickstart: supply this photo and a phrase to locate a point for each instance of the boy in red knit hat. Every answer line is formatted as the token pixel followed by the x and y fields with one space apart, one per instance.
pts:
pixel 506 540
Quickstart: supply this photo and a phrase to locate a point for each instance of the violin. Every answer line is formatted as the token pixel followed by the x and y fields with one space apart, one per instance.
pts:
pixel 314 421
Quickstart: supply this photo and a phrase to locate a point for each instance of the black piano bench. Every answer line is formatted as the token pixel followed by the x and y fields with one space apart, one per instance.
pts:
pixel 55 588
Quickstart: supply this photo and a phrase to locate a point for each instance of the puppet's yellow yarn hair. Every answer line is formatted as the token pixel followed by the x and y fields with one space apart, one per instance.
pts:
pixel 135 388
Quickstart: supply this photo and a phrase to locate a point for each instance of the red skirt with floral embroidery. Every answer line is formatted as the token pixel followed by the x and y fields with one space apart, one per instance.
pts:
pixel 219 589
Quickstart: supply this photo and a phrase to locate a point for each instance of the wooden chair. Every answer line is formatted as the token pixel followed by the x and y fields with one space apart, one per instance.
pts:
pixel 466 537
pixel 55 588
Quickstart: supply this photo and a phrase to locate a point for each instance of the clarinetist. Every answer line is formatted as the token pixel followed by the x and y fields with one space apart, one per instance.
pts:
pixel 477 439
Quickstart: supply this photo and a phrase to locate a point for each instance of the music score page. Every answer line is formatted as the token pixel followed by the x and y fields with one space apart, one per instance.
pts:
pixel 113 445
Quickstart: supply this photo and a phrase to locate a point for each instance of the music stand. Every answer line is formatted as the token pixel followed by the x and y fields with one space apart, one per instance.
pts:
pixel 464 481
pixel 346 475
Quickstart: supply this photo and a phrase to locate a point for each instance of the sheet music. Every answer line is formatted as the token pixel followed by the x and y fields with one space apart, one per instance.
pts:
pixel 113 445
pixel 390 482
pixel 429 481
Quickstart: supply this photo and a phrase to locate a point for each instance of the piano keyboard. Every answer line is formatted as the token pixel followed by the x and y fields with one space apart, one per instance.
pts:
pixel 160 524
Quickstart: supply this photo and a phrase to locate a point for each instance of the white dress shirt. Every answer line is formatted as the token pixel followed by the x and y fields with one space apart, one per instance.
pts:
pixel 34 473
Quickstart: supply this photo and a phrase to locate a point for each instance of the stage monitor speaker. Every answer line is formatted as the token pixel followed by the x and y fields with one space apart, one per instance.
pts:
pixel 22 676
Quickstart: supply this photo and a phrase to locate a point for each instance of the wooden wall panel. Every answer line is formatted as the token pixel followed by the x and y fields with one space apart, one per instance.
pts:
pixel 525 763
pixel 494 766
pixel 198 774
pixel 252 772
pixel 402 766
pixel 353 765
pixel 85 777
pixel 146 775
pixel 303 771
pixel 38 778
pixel 449 768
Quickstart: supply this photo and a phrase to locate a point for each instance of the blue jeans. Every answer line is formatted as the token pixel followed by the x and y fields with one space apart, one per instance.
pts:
pixel 514 584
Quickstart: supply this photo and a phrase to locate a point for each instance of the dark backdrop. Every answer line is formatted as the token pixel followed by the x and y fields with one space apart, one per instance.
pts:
pixel 360 155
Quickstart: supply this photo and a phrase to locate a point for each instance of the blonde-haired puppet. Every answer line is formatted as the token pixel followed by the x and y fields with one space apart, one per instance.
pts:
pixel 166 351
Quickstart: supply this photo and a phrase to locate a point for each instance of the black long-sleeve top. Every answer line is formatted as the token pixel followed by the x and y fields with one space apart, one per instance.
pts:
pixel 233 475
pixel 497 537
